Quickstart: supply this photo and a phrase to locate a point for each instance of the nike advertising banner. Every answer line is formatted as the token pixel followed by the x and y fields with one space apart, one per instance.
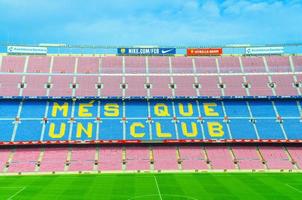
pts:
pixel 204 52
pixel 264 50
pixel 146 51
pixel 26 50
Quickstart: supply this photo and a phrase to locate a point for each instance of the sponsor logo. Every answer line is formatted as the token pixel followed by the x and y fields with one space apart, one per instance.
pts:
pixel 166 51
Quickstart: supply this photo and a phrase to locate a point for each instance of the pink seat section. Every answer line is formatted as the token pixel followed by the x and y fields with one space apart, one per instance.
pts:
pixel 229 64
pixel 233 86
pixel 111 86
pixel 184 86
pixel 138 158
pixel 82 159
pixel 63 64
pixel 4 156
pixel 135 64
pixel 209 86
pixel 220 157
pixel 87 86
pixel 297 61
pixel 253 64
pixel 259 85
pixel 192 158
pixel 160 86
pixel 54 159
pixel 35 85
pixel 278 64
pixel 275 157
pixel 296 154
pixel 13 64
pixel 165 158
pixel 39 64
pixel 88 65
pixel 9 85
pixel 284 85
pixel 205 65
pixel 182 65
pixel 110 158
pixel 61 85
pixel 158 65
pixel 247 157
pixel 112 65
pixel 136 86
pixel 24 160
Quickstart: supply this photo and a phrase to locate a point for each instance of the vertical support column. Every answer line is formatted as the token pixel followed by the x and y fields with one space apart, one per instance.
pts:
pixel 49 77
pixel 99 76
pixel 235 161
pixel 75 77
pixel 124 77
pixel 281 125
pixel 40 159
pixel 268 74
pixel 200 120
pixel 17 121
pixel 68 159
pixel 72 120
pixel 290 157
pixel 175 120
pixel 292 66
pixel 208 162
pixel 124 158
pixel 96 159
pixel 151 154
pixel 179 160
pixel 149 121
pixel 244 76
pixel 124 120
pixel 195 77
pixel 24 76
pixel 97 121
pixel 44 121
pixel 261 158
pixel 148 77
pixel 10 158
pixel 219 77
pixel 227 122
pixel 171 77
pixel 252 118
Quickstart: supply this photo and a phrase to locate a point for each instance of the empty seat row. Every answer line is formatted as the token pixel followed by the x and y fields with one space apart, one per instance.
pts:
pixel 128 86
pixel 134 158
pixel 131 64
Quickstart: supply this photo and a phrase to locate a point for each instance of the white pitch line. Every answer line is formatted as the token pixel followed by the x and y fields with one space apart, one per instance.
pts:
pixel 292 187
pixel 18 192
pixel 157 188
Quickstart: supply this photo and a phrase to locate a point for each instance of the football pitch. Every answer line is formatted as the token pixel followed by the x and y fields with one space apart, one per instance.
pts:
pixel 159 186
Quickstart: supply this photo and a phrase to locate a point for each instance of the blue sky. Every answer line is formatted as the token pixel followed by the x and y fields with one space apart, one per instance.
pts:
pixel 151 22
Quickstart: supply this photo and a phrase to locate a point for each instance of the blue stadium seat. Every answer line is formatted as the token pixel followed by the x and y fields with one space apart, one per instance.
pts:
pixel 269 129
pixel 242 129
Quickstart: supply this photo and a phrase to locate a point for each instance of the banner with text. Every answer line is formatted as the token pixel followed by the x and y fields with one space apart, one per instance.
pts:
pixel 146 51
pixel 26 50
pixel 264 50
pixel 204 52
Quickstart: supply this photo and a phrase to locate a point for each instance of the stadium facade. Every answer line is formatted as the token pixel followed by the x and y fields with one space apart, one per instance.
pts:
pixel 150 109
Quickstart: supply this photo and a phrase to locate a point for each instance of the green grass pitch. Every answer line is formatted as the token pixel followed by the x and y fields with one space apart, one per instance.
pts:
pixel 159 186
